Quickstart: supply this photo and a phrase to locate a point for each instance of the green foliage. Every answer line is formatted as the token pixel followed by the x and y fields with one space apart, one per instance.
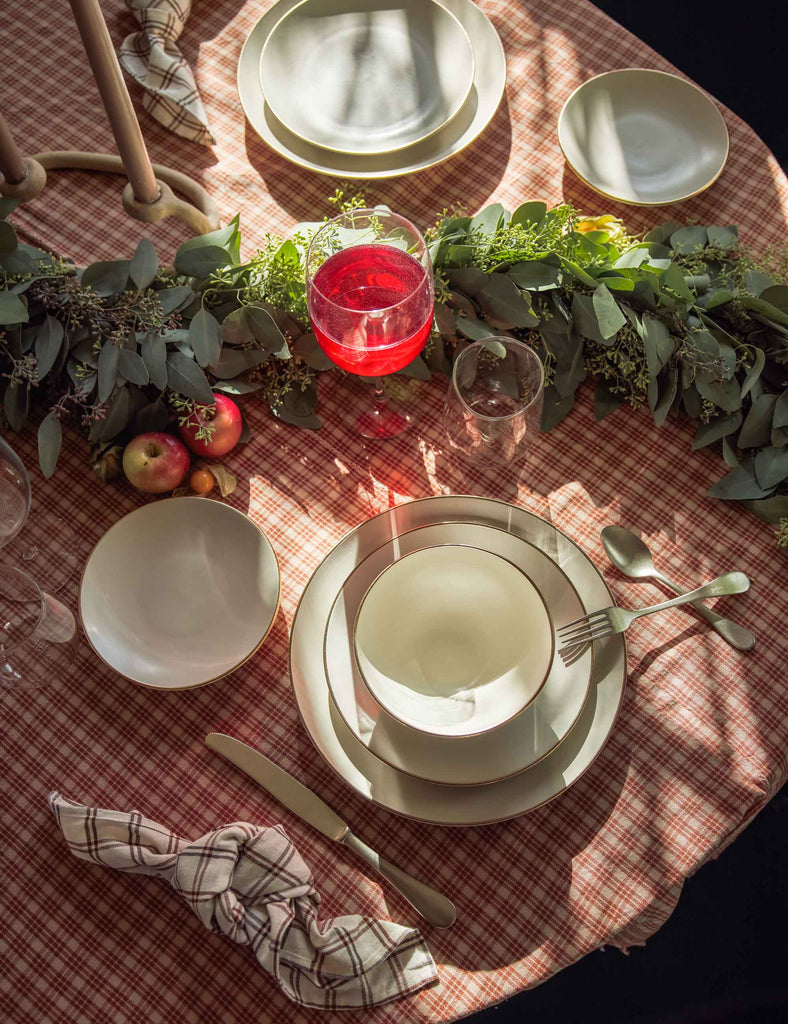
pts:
pixel 682 321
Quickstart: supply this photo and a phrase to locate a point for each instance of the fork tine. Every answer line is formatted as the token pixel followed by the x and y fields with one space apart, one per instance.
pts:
pixel 584 619
pixel 587 635
pixel 582 627
pixel 568 648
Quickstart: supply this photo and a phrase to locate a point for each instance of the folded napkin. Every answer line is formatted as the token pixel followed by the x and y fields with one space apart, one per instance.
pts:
pixel 151 57
pixel 250 883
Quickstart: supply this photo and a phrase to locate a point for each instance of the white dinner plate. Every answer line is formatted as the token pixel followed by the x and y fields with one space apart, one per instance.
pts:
pixel 401 793
pixel 643 137
pixel 179 593
pixel 489 79
pixel 365 78
pixel 472 760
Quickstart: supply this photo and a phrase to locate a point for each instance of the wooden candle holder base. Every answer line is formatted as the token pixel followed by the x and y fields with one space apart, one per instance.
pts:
pixel 200 214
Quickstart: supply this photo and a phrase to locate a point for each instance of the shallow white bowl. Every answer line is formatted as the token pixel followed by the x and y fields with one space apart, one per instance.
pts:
pixel 453 640
pixel 355 77
pixel 643 137
pixel 179 593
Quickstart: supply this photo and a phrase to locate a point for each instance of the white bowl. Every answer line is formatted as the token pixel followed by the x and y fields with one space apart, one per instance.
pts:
pixel 643 137
pixel 179 593
pixel 453 640
pixel 355 77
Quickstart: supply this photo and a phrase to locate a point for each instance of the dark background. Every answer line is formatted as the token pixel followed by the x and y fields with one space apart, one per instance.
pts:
pixel 722 958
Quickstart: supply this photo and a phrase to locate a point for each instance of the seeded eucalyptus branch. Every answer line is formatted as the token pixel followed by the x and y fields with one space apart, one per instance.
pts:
pixel 683 321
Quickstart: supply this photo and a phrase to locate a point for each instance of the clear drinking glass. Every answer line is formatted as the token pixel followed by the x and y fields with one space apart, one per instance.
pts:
pixel 370 296
pixel 15 494
pixel 494 403
pixel 33 628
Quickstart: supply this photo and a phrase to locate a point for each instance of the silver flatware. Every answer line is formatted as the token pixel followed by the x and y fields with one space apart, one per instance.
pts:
pixel 631 555
pixel 433 907
pixel 607 621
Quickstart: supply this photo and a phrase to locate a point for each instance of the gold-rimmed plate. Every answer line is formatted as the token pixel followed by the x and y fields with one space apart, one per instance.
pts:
pixel 643 137
pixel 179 593
pixel 489 80
pixel 415 798
pixel 473 760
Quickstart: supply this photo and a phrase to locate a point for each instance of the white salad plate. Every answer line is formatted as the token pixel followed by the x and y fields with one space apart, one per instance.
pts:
pixel 472 760
pixel 453 640
pixel 643 137
pixel 179 593
pixel 489 80
pixel 358 77
pixel 416 798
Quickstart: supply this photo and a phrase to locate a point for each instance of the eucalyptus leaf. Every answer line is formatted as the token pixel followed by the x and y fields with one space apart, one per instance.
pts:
pixel 771 466
pixel 723 237
pixel 443 320
pixel 107 370
pixel 740 484
pixel 776 295
pixel 758 425
pixel 504 305
pixel 417 369
pixel 585 318
pixel 577 272
pixel 48 344
pixel 535 275
pixel 555 408
pixel 154 354
pixel 770 510
pixel 668 388
pixel 50 440
pixel 205 336
pixel 7 206
pixel 234 361
pixel 467 279
pixel 781 411
pixel 144 264
pixel 238 387
pixel 729 453
pixel 488 220
pixel 174 298
pixel 752 376
pixel 766 309
pixel 474 330
pixel 131 366
pixel 297 407
pixel 119 414
pixel 716 429
pixel 674 280
pixel 658 343
pixel 106 277
pixel 228 238
pixel 779 436
pixel 16 404
pixel 186 378
pixel 725 394
pixel 688 239
pixel 755 281
pixel 529 213
pixel 155 416
pixel 201 262
pixel 251 324
pixel 307 348
pixel 605 401
pixel 7 237
pixel 12 309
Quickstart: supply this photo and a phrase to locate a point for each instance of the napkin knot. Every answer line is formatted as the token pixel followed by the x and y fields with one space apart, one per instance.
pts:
pixel 249 883
pixel 153 60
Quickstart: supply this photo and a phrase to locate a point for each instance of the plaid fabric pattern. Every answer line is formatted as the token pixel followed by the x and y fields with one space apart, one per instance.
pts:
pixel 151 57
pixel 249 883
pixel 700 744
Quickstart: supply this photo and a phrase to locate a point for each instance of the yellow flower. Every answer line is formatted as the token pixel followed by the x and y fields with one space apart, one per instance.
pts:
pixel 612 226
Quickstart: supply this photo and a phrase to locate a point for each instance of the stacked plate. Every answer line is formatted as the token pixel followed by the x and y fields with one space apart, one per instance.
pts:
pixel 363 90
pixel 410 588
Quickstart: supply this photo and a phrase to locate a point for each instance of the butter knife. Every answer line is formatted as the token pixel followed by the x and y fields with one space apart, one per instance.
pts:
pixel 308 806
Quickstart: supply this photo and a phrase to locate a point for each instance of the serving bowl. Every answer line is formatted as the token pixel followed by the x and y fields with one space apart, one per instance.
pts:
pixel 643 137
pixel 453 640
pixel 179 593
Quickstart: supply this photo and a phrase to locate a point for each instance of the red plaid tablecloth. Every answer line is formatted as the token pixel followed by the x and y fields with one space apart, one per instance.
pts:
pixel 700 743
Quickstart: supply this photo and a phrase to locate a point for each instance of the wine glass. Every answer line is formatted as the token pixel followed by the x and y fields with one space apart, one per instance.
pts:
pixel 370 298
pixel 494 402
pixel 33 628
pixel 47 547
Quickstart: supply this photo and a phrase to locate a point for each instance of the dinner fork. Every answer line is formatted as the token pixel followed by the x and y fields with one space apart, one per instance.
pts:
pixel 607 621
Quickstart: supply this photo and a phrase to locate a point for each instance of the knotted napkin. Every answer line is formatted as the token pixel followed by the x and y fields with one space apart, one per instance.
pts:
pixel 250 883
pixel 151 57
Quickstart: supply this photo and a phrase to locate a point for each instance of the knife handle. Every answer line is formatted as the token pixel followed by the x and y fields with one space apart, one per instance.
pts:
pixel 437 909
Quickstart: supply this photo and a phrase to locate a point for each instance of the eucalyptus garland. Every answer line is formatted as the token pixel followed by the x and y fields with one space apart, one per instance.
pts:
pixel 683 321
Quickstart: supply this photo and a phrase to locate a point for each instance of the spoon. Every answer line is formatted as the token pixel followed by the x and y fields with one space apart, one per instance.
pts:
pixel 629 554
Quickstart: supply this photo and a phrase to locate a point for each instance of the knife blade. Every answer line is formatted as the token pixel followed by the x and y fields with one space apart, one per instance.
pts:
pixel 307 805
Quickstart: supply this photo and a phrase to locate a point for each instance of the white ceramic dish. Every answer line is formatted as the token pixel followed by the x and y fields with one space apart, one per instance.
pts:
pixel 489 80
pixel 357 77
pixel 179 593
pixel 475 760
pixel 453 640
pixel 415 798
pixel 643 137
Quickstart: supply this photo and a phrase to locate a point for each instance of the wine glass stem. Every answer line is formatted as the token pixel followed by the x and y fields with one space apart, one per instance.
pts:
pixel 379 395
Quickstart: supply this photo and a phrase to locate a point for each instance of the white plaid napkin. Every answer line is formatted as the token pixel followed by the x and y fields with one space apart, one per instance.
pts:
pixel 151 57
pixel 250 883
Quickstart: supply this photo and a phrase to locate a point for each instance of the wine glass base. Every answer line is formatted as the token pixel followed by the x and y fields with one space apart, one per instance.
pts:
pixel 48 548
pixel 384 421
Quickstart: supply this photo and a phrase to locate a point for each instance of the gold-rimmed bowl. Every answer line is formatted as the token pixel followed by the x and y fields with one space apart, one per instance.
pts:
pixel 643 137
pixel 453 640
pixel 179 593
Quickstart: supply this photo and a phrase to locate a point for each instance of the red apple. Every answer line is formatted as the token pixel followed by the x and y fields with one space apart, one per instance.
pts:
pixel 224 418
pixel 155 462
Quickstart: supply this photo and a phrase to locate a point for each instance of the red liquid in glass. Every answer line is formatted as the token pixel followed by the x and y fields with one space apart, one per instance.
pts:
pixel 371 309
